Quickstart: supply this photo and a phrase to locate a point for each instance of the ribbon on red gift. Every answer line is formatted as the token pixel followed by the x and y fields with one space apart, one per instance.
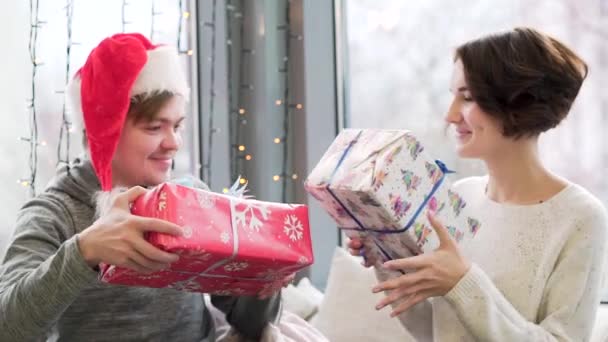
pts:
pixel 235 250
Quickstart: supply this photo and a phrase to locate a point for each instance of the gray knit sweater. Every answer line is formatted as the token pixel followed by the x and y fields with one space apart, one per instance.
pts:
pixel 47 291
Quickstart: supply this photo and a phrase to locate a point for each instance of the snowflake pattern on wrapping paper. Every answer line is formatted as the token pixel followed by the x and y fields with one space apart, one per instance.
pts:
pixel 232 292
pixel 187 232
pixel 302 260
pixel 130 273
pixel 236 266
pixel 205 200
pixel 293 228
pixel 271 274
pixel 150 276
pixel 272 286
pixel 225 237
pixel 186 285
pixel 252 209
pixel 162 204
pixel 199 254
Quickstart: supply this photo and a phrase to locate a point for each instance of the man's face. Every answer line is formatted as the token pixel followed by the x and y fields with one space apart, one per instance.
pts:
pixel 146 149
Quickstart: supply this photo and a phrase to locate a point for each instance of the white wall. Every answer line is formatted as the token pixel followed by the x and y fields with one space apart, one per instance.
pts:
pixel 92 21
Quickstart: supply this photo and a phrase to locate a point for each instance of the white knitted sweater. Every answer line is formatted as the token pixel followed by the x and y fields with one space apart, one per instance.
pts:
pixel 536 274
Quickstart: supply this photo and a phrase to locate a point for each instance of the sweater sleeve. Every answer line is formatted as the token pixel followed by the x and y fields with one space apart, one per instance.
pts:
pixel 42 273
pixel 570 298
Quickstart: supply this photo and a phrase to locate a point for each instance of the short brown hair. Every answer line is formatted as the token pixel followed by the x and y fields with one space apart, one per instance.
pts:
pixel 524 78
pixel 143 107
pixel 146 106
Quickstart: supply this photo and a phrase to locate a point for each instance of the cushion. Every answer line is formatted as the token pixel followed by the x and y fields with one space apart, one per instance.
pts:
pixel 348 312
pixel 298 302
pixel 600 330
pixel 310 291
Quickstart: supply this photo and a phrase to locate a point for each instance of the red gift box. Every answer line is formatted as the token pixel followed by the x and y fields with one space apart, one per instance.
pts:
pixel 229 246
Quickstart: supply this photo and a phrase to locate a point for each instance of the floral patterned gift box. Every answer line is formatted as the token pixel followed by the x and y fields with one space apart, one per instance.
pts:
pixel 377 184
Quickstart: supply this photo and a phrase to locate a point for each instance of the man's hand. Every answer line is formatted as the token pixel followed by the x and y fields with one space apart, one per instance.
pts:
pixel 117 238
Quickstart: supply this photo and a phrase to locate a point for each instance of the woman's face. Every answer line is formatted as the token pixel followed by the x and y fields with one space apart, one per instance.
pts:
pixel 146 149
pixel 478 134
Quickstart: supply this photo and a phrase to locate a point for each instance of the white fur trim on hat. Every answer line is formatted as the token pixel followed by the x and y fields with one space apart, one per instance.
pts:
pixel 162 71
pixel 104 200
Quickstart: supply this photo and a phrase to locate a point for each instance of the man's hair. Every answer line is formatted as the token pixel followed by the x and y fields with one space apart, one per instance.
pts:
pixel 143 107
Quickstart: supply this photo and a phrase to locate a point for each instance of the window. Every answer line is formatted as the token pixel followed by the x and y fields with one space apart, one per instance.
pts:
pixel 400 61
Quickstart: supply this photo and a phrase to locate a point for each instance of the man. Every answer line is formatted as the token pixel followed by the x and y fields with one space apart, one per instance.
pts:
pixel 131 95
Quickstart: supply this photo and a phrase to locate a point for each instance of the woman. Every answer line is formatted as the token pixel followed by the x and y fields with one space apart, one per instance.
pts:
pixel 533 272
pixel 130 94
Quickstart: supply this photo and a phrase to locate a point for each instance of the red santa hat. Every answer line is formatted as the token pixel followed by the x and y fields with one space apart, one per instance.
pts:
pixel 120 67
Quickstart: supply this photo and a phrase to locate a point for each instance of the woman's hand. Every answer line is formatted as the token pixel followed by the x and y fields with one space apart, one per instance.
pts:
pixel 427 275
pixel 356 248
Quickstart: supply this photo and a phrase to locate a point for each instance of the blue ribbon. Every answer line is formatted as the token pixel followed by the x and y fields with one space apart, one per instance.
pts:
pixel 444 169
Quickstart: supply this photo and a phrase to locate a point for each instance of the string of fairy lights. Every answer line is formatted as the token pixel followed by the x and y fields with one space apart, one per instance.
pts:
pixel 239 113
pixel 153 14
pixel 123 13
pixel 236 96
pixel 66 129
pixel 212 25
pixel 32 139
pixel 285 102
pixel 184 15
